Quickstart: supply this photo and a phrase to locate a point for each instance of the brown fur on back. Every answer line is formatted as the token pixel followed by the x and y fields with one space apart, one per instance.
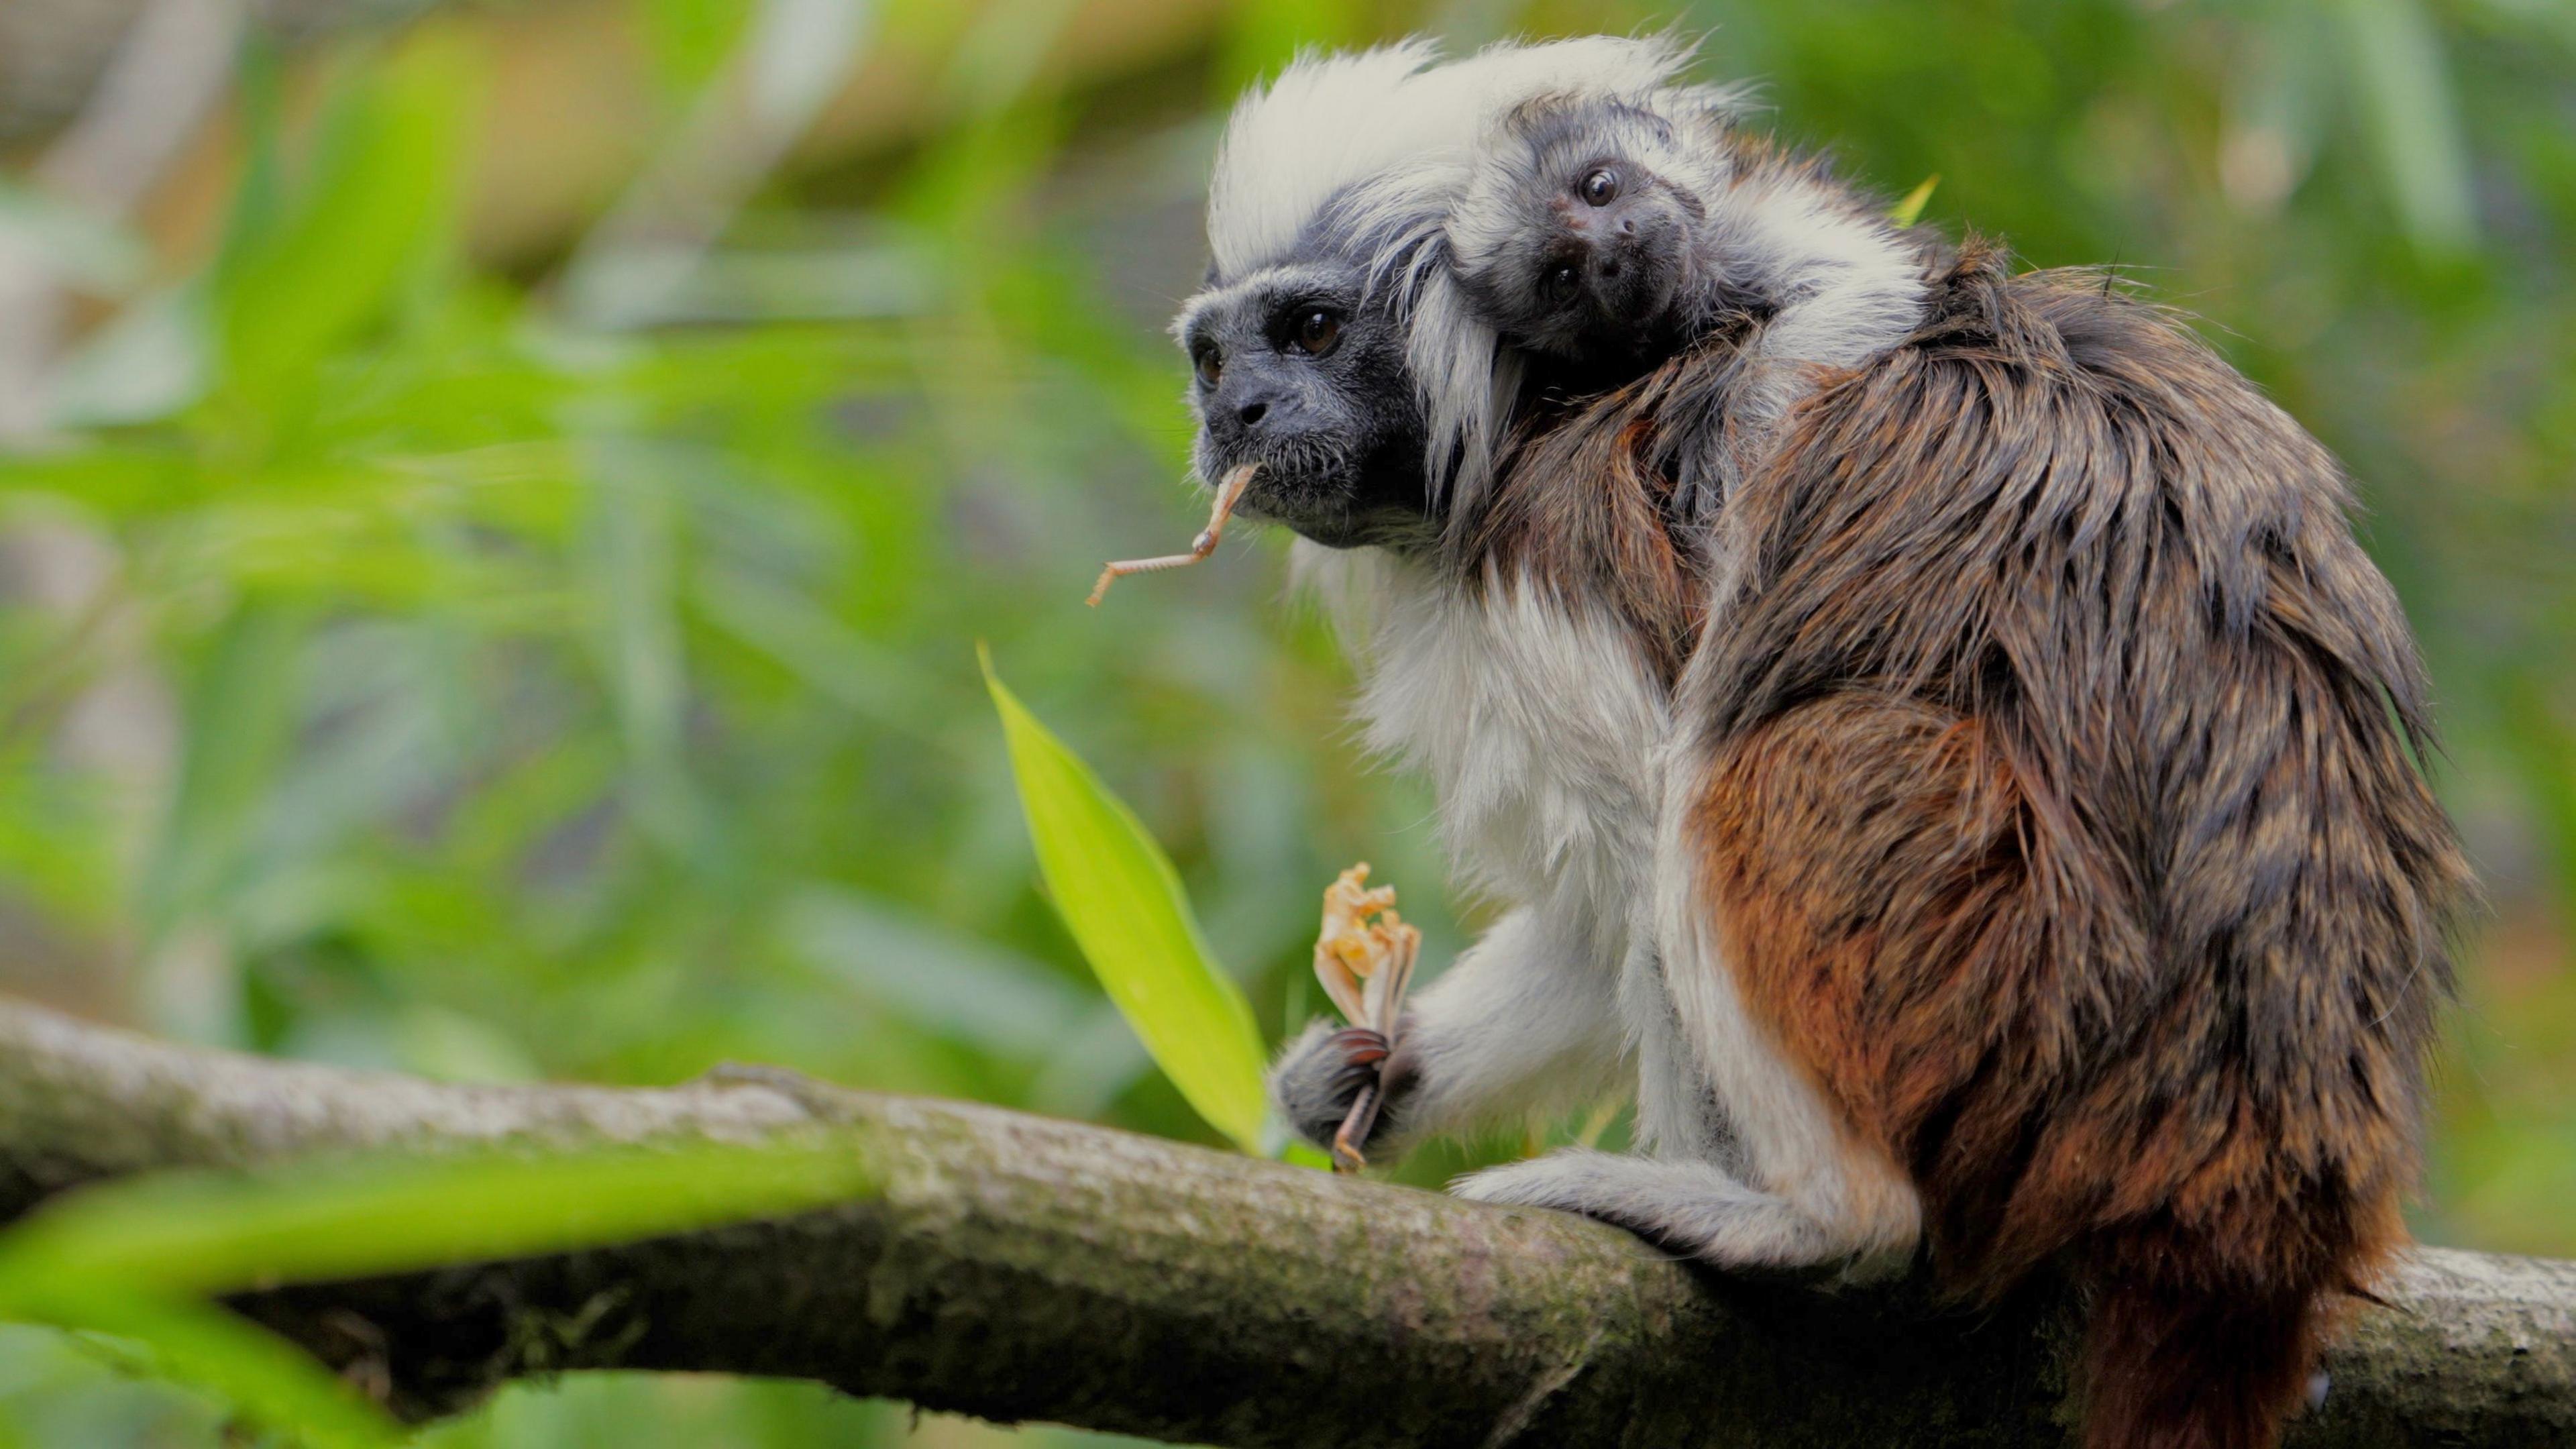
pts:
pixel 1586 503
pixel 2061 809
pixel 2062 817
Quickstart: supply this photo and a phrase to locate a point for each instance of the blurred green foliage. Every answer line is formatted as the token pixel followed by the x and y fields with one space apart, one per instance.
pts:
pixel 562 665
pixel 133 1261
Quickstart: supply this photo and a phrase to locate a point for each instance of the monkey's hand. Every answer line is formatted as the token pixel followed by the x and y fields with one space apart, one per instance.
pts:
pixel 1364 955
pixel 1324 1071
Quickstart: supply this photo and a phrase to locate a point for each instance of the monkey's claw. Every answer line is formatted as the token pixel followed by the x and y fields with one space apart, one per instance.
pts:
pixel 1363 1052
pixel 1353 1131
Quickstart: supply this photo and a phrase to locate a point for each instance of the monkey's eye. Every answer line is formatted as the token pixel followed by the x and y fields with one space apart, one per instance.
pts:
pixel 1601 187
pixel 1210 367
pixel 1559 283
pixel 1316 332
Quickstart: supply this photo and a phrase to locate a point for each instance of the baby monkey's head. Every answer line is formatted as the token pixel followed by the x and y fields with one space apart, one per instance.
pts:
pixel 1578 234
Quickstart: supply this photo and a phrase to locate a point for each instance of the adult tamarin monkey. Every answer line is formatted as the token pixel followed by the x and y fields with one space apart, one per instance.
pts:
pixel 1970 796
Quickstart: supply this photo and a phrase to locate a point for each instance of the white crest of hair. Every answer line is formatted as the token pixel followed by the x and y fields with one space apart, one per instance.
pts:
pixel 1326 121
pixel 1332 122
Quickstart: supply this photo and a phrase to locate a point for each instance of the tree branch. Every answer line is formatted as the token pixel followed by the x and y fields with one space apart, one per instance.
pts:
pixel 1017 1267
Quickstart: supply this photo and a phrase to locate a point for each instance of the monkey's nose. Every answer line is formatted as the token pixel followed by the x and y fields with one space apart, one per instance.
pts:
pixel 1252 412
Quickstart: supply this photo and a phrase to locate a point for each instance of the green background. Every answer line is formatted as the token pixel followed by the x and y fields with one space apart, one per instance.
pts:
pixel 442 637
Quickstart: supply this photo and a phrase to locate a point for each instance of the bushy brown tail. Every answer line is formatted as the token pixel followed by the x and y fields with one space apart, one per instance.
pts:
pixel 2180 1353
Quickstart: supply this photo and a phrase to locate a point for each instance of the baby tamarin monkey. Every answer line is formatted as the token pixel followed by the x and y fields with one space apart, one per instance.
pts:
pixel 1585 233
pixel 1608 234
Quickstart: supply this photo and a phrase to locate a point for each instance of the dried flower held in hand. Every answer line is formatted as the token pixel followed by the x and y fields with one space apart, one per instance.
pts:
pixel 1364 957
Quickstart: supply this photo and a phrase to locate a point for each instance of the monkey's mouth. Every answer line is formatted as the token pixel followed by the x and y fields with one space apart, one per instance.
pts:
pixel 1323 488
pixel 1311 495
pixel 1636 277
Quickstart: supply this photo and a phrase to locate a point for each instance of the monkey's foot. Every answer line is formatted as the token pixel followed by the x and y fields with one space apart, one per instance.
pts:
pixel 1692 1209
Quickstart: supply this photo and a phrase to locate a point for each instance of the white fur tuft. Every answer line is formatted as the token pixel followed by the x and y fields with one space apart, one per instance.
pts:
pixel 1393 118
pixel 1327 121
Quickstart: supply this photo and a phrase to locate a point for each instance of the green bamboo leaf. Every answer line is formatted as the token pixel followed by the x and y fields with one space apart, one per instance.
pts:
pixel 1910 210
pixel 1123 902
pixel 129 1259
pixel 192 1233
pixel 257 1373
pixel 382 201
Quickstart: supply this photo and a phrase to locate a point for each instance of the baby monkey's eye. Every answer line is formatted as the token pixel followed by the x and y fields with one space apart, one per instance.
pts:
pixel 1210 367
pixel 1316 332
pixel 1559 283
pixel 1601 187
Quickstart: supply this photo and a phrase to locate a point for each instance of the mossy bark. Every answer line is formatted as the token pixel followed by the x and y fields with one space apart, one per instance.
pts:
pixel 1021 1268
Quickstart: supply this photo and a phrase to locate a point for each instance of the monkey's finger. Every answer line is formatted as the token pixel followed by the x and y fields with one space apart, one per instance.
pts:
pixel 1349 1080
pixel 1354 1131
pixel 1360 1045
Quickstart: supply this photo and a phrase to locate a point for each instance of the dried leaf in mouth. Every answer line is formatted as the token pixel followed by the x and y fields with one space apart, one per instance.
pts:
pixel 1228 494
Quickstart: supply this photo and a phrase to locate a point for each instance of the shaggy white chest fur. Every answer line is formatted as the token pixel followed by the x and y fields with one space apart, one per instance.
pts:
pixel 1539 727
pixel 1548 740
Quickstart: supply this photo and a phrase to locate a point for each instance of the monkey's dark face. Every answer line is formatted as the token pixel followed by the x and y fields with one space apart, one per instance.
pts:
pixel 1600 266
pixel 1297 369
pixel 1621 252
pixel 1579 236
